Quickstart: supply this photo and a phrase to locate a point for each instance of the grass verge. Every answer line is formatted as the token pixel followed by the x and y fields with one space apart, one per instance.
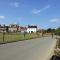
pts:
pixel 14 37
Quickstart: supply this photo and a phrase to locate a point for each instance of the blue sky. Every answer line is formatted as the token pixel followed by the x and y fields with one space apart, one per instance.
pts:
pixel 44 13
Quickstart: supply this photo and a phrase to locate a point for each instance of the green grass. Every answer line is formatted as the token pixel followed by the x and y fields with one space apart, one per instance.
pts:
pixel 11 37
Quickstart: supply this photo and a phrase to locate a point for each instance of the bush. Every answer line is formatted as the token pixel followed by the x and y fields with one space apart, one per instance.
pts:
pixel 57 32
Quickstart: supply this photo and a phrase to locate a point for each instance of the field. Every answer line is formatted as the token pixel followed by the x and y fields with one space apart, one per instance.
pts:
pixel 11 37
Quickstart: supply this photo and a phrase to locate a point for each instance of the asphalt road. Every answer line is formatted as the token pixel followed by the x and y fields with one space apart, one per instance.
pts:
pixel 35 49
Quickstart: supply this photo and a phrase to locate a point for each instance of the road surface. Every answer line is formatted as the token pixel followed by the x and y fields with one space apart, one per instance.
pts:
pixel 35 49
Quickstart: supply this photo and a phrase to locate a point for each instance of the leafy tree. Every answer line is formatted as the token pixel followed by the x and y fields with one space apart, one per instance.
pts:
pixel 57 32
pixel 49 30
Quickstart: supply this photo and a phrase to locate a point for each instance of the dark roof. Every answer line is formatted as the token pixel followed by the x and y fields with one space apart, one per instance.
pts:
pixel 3 26
pixel 32 26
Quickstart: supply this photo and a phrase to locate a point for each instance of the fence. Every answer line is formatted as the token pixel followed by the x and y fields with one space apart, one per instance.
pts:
pixel 16 36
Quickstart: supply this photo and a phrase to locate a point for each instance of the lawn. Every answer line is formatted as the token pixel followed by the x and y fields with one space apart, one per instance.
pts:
pixel 11 37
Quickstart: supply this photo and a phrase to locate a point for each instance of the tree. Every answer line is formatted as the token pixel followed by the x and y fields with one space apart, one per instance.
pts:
pixel 57 32
pixel 49 30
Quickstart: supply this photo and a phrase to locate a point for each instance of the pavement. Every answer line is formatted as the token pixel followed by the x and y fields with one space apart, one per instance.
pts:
pixel 35 49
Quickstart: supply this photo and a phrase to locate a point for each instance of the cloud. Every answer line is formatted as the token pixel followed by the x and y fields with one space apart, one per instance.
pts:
pixel 16 4
pixel 2 17
pixel 45 8
pixel 38 11
pixel 54 20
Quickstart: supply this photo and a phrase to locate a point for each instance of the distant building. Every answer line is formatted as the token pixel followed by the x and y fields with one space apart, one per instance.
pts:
pixel 22 29
pixel 3 28
pixel 31 29
pixel 13 25
pixel 13 28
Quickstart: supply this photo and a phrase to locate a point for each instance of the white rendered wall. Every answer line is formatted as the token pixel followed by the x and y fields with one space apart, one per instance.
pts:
pixel 31 29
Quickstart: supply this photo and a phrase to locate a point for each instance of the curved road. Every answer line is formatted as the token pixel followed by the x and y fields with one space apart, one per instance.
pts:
pixel 35 49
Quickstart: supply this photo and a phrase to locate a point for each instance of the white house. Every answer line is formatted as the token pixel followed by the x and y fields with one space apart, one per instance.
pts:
pixel 32 29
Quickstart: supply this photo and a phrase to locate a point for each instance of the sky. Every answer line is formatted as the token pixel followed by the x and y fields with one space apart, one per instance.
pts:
pixel 43 13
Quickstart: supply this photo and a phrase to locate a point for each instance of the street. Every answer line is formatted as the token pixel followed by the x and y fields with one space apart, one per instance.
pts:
pixel 35 49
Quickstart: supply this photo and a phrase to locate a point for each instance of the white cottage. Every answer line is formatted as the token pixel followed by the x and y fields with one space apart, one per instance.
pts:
pixel 31 29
